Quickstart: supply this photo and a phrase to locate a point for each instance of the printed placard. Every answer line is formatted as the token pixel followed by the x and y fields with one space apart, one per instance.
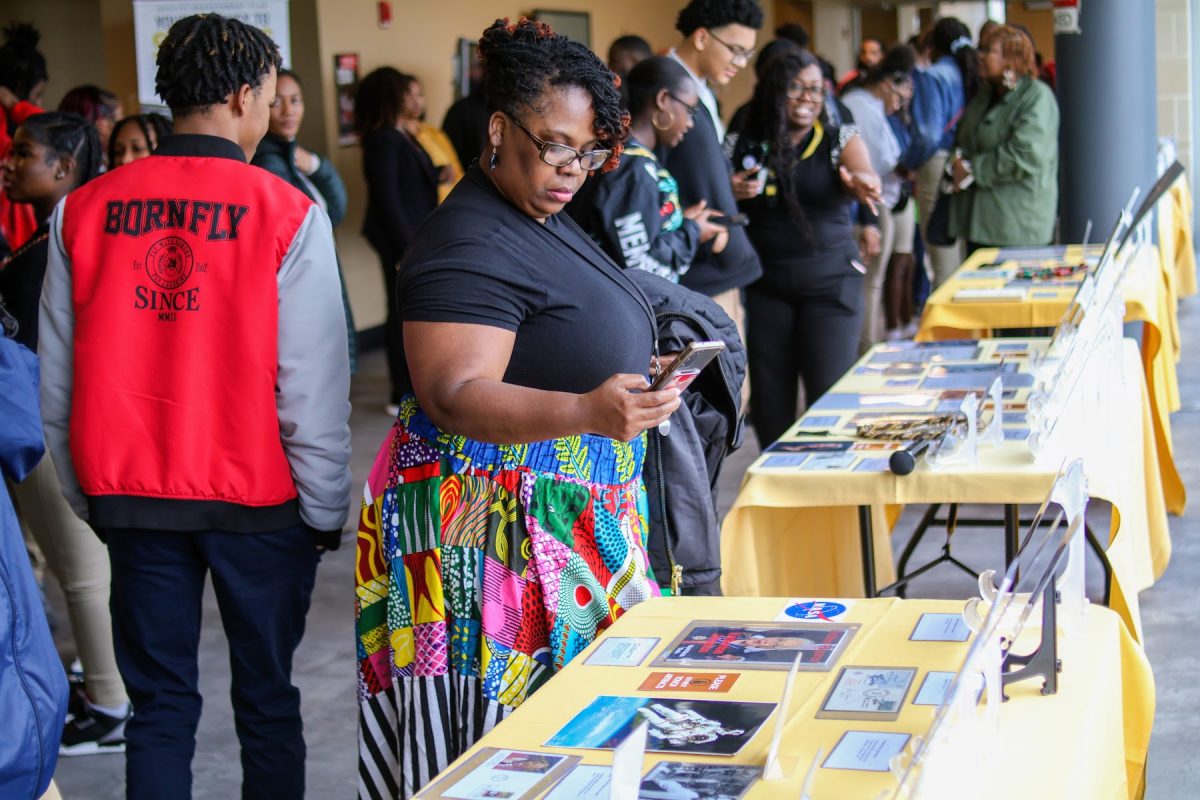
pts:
pixel 940 628
pixel 703 682
pixel 871 693
pixel 866 751
pixel 758 645
pixel 496 773
pixel 621 651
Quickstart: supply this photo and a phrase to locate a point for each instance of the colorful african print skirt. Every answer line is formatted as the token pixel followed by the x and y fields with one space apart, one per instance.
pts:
pixel 482 570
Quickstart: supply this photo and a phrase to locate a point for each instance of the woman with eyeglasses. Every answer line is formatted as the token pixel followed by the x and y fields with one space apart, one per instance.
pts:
pixel 402 190
pixel 804 315
pixel 634 212
pixel 504 520
pixel 1005 172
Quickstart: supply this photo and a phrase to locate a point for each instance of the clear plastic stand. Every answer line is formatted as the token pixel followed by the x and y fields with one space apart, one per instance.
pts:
pixel 992 434
pixel 952 754
pixel 772 770
pixel 959 446
pixel 625 780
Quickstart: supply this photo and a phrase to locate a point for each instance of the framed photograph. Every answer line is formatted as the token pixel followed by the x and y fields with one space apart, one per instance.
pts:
pixel 506 774
pixel 345 82
pixel 872 693
pixel 698 727
pixel 466 67
pixel 575 25
pixel 758 645
pixel 680 779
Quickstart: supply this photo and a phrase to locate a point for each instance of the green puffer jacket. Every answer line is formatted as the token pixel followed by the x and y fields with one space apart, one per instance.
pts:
pixel 1013 150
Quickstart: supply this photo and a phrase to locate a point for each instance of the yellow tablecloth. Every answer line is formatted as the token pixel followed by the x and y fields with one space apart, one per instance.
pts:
pixel 1150 298
pixel 795 532
pixel 1175 237
pixel 1087 741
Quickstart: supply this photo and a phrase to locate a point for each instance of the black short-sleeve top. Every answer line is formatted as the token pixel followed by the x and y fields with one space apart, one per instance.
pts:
pixel 477 259
pixel 819 192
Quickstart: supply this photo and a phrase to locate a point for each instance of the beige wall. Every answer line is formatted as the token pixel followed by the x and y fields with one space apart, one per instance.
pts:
pixel 1172 28
pixel 63 25
pixel 422 40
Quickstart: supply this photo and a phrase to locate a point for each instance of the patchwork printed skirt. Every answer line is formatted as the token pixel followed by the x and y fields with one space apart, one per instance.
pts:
pixel 481 570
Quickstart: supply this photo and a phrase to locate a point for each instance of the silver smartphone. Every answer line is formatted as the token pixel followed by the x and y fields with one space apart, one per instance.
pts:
pixel 687 366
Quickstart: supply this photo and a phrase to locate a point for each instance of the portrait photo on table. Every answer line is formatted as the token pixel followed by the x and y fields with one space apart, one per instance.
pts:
pixel 700 727
pixel 764 645
pixel 680 780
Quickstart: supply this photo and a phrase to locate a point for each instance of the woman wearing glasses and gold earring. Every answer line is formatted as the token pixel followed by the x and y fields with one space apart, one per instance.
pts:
pixel 634 212
pixel 504 521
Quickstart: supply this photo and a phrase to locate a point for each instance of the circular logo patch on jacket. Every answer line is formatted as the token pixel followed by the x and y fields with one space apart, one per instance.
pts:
pixel 169 262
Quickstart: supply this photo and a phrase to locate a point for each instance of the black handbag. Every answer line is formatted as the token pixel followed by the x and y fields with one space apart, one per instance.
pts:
pixel 937 231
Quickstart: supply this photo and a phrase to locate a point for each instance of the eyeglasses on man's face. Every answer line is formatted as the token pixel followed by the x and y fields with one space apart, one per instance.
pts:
pixel 741 56
pixel 560 155
pixel 691 109
pixel 800 91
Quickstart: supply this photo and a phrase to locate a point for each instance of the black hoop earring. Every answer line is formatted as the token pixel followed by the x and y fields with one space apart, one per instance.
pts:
pixel 670 120
pixel 495 159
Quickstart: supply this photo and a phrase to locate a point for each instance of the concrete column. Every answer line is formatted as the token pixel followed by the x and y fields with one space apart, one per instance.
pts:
pixel 1107 93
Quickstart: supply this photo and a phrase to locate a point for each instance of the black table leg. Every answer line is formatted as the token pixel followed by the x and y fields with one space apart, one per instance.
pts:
pixel 867 540
pixel 1012 533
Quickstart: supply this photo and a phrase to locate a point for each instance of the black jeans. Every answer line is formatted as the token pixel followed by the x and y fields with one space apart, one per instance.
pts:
pixel 796 334
pixel 263 583
pixel 393 330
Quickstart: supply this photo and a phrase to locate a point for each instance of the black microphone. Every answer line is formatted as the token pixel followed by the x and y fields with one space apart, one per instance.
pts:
pixel 904 460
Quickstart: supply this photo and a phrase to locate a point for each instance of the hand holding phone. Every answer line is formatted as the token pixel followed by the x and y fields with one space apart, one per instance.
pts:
pixel 687 366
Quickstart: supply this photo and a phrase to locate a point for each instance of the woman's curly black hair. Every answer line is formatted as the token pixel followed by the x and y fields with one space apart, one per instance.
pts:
pixel 525 59
pixel 155 127
pixel 22 65
pixel 64 134
pixel 718 13
pixel 206 58
pixel 767 123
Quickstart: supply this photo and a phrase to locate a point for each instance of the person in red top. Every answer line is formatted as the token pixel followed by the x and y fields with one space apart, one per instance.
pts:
pixel 22 79
pixel 195 390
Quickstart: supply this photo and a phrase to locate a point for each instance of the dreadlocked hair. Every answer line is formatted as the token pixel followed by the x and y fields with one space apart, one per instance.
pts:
pixel 379 99
pixel 154 127
pixel 64 134
pixel 206 58
pixel 527 58
pixel 768 123
pixel 22 65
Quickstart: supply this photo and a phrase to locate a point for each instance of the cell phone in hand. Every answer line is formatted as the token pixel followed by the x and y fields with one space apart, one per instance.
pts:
pixel 729 221
pixel 687 366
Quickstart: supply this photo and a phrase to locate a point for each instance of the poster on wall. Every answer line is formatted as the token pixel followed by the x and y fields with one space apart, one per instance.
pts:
pixel 1066 16
pixel 345 81
pixel 153 18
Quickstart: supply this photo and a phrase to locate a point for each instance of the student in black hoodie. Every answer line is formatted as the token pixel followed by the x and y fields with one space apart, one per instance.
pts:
pixel 634 212
pixel 718 40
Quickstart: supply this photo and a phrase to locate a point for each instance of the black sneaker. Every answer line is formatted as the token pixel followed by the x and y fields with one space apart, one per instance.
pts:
pixel 91 732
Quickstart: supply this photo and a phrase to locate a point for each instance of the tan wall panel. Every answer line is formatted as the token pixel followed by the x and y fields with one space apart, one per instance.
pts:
pixel 422 41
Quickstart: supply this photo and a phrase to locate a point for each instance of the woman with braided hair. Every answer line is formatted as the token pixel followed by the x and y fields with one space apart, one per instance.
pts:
pixel 23 78
pixel 52 154
pixel 504 521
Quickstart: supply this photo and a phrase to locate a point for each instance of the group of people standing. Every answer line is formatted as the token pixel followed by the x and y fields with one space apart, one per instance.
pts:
pixel 504 523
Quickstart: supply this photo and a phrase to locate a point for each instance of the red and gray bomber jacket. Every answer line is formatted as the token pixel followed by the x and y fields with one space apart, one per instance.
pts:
pixel 193 345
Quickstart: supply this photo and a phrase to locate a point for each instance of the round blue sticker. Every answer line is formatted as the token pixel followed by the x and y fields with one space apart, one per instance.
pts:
pixel 815 609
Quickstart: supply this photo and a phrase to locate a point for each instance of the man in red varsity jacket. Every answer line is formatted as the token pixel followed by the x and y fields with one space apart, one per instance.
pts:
pixel 195 392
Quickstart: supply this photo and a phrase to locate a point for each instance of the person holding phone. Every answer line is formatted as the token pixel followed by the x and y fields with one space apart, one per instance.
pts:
pixel 503 522
pixel 634 212
pixel 804 315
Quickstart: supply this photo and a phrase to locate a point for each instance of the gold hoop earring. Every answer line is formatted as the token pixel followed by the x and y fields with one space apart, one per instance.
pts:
pixel 670 120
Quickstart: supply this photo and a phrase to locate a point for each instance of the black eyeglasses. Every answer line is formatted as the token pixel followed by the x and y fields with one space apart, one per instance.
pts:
pixel 798 91
pixel 741 56
pixel 560 155
pixel 692 110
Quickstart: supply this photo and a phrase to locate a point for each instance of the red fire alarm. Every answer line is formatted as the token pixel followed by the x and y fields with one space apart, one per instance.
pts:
pixel 385 14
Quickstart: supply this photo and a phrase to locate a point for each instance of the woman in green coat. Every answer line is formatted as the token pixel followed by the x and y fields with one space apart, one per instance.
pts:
pixel 1005 172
